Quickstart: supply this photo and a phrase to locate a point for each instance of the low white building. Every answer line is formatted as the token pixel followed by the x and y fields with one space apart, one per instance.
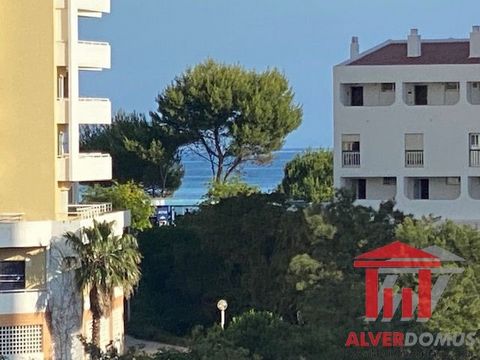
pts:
pixel 407 125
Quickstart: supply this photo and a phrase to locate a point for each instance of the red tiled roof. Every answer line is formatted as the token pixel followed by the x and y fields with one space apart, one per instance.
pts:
pixel 447 52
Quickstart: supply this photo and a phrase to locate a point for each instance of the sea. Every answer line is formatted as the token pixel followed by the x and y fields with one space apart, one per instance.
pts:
pixel 198 174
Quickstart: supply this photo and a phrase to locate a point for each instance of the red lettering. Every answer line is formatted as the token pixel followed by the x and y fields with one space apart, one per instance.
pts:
pixel 363 340
pixel 387 339
pixel 374 338
pixel 398 339
pixel 352 339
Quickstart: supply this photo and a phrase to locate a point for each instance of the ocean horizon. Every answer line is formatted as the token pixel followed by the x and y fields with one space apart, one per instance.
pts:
pixel 198 175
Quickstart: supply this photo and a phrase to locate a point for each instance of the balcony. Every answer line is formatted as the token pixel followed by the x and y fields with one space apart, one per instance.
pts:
pixel 11 217
pixel 94 111
pixel 90 111
pixel 94 55
pixel 61 54
pixel 475 158
pixel 87 167
pixel 367 94
pixel 351 158
pixel 93 8
pixel 431 94
pixel 22 301
pixel 88 211
pixel 17 233
pixel 414 158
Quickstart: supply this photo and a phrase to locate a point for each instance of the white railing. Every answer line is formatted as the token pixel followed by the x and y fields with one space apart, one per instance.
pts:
pixel 11 217
pixel 93 99
pixel 87 42
pixel 414 158
pixel 93 155
pixel 88 211
pixel 474 157
pixel 351 158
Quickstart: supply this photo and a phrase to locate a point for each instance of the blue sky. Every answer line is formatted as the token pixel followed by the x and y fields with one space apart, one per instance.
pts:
pixel 154 40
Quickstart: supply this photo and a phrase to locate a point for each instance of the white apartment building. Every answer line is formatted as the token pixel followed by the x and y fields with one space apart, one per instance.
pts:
pixel 407 125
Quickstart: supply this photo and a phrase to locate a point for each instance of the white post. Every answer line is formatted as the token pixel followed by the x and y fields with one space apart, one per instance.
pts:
pixel 222 306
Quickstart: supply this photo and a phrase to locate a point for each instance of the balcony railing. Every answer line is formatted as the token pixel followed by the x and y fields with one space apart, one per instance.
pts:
pixel 474 158
pixel 89 111
pixel 351 158
pixel 88 211
pixel 86 167
pixel 94 55
pixel 86 6
pixel 11 217
pixel 414 158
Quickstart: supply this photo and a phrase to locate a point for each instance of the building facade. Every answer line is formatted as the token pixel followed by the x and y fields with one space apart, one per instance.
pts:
pixel 406 125
pixel 41 165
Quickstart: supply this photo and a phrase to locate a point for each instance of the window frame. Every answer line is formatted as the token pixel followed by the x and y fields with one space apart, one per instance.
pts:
pixel 9 280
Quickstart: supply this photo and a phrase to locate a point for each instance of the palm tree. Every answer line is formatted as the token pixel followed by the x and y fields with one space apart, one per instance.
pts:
pixel 106 262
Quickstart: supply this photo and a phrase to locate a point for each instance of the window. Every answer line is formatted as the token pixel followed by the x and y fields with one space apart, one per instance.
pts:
pixel 62 86
pixel 388 87
pixel 356 98
pixel 421 95
pixel 12 275
pixel 389 181
pixel 421 189
pixel 361 189
pixel 413 150
pixel 351 150
pixel 474 141
pixel 351 142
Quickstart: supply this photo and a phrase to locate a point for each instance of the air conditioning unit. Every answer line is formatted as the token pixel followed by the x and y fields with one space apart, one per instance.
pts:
pixel 453 180
pixel 451 86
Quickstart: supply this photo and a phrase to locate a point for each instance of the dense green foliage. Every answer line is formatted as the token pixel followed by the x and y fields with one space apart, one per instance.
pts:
pixel 458 310
pixel 143 151
pixel 309 176
pixel 239 249
pixel 128 196
pixel 229 115
pixel 330 285
pixel 258 253
pixel 106 261
pixel 226 189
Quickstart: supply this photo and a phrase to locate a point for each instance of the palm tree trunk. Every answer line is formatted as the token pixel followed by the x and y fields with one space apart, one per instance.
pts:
pixel 96 310
pixel 95 331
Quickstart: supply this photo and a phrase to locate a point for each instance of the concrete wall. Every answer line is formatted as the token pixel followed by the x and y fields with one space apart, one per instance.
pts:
pixel 382 132
pixel 474 187
pixel 473 93
pixel 376 190
pixel 438 189
pixel 27 129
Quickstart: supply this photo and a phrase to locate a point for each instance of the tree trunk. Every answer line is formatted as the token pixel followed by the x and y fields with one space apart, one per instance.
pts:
pixel 96 310
pixel 95 331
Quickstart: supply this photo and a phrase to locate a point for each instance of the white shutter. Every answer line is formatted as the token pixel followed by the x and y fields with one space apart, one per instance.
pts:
pixel 351 138
pixel 413 142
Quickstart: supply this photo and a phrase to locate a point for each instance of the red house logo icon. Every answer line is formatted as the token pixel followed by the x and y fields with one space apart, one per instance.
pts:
pixel 395 259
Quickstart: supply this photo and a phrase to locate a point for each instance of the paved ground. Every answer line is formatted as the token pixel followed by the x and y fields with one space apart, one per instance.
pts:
pixel 151 347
